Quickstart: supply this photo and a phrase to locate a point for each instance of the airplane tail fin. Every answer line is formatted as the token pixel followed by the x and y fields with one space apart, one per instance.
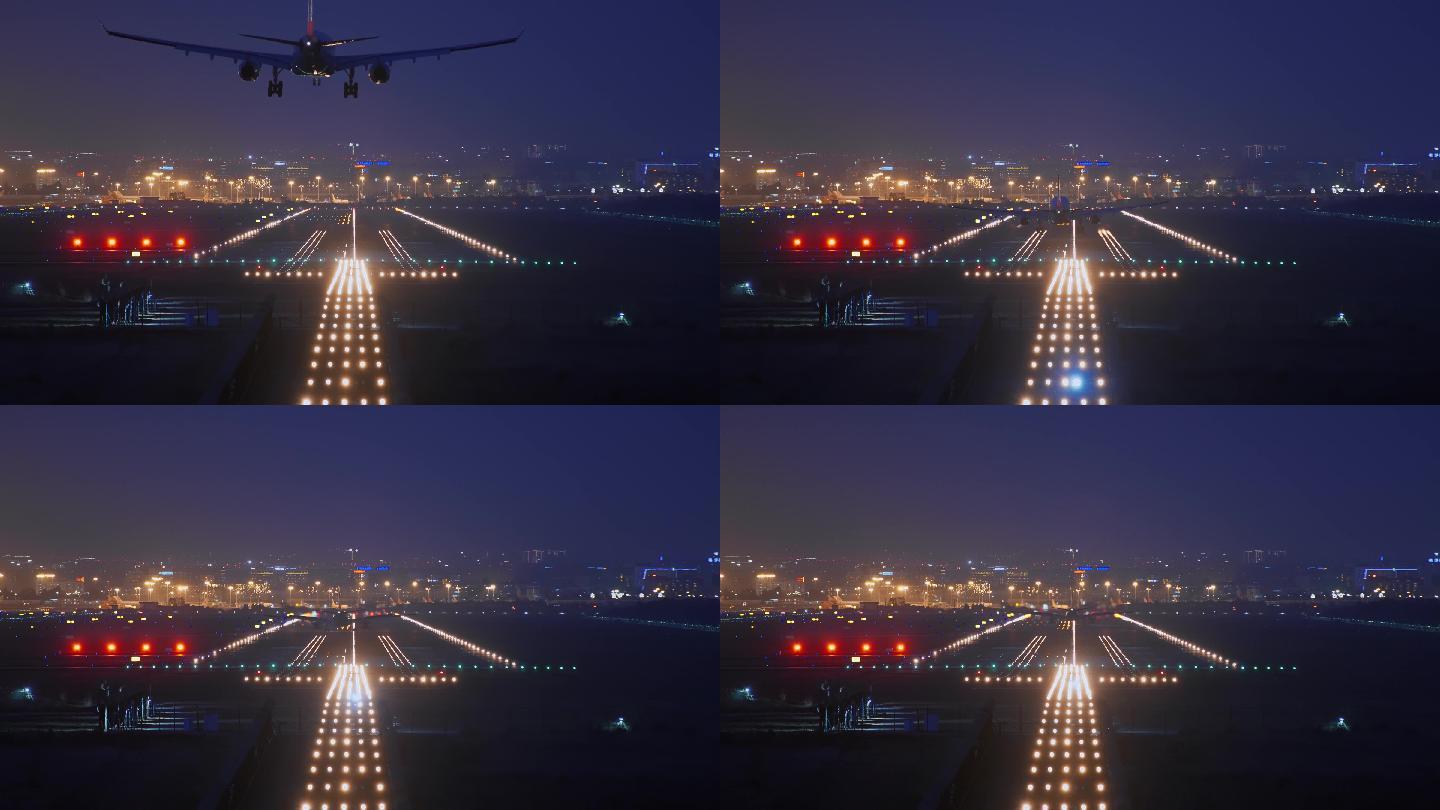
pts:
pixel 310 18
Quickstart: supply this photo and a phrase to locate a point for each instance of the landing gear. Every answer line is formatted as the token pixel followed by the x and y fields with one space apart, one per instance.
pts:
pixel 352 88
pixel 275 88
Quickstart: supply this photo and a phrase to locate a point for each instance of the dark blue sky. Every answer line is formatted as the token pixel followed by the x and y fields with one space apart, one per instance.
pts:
pixel 614 484
pixel 626 76
pixel 1333 483
pixel 1112 75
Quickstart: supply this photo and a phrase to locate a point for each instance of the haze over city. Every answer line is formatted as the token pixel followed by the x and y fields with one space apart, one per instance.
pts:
pixel 936 78
pixel 939 486
pixel 194 483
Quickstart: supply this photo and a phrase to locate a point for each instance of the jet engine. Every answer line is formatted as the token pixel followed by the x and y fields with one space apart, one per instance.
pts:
pixel 379 74
pixel 249 71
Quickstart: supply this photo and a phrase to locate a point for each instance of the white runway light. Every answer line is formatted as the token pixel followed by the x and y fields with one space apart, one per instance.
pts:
pixel 1065 769
pixel 344 766
pixel 1067 366
pixel 1188 240
pixel 346 364
pixel 1188 646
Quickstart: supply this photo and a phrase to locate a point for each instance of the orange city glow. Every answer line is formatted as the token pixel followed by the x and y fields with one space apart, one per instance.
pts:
pixel 180 647
pixel 830 647
pixel 865 647
pixel 75 647
pixel 900 648
pixel 145 647
pixel 76 242
pixel 145 242
pixel 111 241
pixel 830 242
pixel 865 242
pixel 793 647
pixel 900 242
pixel 795 242
pixel 180 241
pixel 110 647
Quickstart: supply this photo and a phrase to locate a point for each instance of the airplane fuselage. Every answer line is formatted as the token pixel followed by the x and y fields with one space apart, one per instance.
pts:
pixel 311 58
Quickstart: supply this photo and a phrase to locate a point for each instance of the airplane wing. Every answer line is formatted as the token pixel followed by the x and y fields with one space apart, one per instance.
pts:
pixel 259 58
pixel 354 60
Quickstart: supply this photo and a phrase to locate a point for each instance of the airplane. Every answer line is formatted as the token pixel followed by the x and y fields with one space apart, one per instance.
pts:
pixel 313 56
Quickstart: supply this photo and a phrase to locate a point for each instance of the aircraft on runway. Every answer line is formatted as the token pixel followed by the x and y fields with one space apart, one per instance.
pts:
pixel 313 56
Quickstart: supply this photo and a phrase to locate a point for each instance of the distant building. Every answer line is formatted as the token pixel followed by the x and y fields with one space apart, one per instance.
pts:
pixel 1261 557
pixel 1390 582
pixel 669 176
pixel 540 555
pixel 1262 150
pixel 1389 177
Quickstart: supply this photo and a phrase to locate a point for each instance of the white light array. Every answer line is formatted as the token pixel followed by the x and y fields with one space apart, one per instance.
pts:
pixel 441 678
pixel 345 364
pixel 462 643
pixel 307 653
pixel 469 240
pixel 306 249
pixel 398 251
pixel 1027 248
pixel 1161 678
pixel 244 640
pixel 397 655
pixel 261 678
pixel 1138 274
pixel 1027 654
pixel 258 273
pixel 961 237
pixel 1180 642
pixel 344 770
pixel 971 639
pixel 1068 342
pixel 981 273
pixel 250 234
pixel 1116 249
pixel 1189 240
pixel 420 274
pixel 978 678
pixel 1065 769
pixel 1117 655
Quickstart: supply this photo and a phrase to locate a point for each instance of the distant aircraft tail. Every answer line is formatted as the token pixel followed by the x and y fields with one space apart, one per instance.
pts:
pixel 310 18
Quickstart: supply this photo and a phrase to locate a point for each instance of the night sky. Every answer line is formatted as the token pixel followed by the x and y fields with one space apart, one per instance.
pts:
pixel 937 76
pixel 609 484
pixel 1332 484
pixel 627 78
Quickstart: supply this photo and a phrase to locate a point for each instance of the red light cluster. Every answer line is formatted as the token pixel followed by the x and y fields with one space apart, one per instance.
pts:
pixel 113 648
pixel 113 243
pixel 833 243
pixel 833 648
